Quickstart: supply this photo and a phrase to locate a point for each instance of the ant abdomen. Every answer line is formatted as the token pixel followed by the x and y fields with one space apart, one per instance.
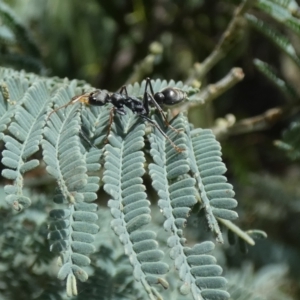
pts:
pixel 170 96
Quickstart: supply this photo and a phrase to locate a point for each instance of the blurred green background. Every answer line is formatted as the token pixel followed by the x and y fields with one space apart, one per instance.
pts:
pixel 109 43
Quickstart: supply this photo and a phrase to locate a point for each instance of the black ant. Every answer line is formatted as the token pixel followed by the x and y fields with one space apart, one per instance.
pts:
pixel 168 96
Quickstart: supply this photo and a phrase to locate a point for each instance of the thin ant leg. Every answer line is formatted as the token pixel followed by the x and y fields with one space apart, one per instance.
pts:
pixel 151 96
pixel 124 89
pixel 84 136
pixel 73 100
pixel 111 118
pixel 146 100
pixel 112 113
pixel 178 149
pixel 148 82
pixel 162 113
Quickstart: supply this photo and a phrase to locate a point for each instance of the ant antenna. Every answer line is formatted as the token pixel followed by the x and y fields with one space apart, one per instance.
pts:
pixel 81 98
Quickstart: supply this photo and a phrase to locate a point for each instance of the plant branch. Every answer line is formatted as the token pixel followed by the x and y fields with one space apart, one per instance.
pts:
pixel 227 41
pixel 145 66
pixel 239 232
pixel 212 91
pixel 256 123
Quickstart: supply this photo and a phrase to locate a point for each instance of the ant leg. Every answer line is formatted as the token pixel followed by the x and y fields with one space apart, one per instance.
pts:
pixel 178 149
pixel 162 113
pixel 158 107
pixel 124 90
pixel 146 102
pixel 73 100
pixel 148 82
pixel 111 118
pixel 146 95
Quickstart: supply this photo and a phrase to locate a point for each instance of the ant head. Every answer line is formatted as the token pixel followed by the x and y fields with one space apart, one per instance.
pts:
pixel 99 97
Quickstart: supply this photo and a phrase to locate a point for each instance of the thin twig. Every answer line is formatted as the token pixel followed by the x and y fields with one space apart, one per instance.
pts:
pixel 256 123
pixel 227 41
pixel 214 90
pixel 239 232
pixel 145 67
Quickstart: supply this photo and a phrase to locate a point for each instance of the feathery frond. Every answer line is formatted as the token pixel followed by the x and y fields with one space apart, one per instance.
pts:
pixel 268 283
pixel 208 169
pixel 72 232
pixel 176 190
pixel 73 149
pixel 203 276
pixel 122 177
pixel 26 134
pixel 290 142
pixel 13 89
pixel 13 34
pixel 282 11
pixel 274 36
pixel 21 33
pixel 280 84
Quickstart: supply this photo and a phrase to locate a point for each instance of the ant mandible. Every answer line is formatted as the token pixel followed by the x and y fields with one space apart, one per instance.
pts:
pixel 168 96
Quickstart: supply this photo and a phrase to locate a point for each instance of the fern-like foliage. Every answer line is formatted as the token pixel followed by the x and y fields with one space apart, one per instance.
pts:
pixel 73 141
pixel 282 11
pixel 290 142
pixel 274 36
pixel 72 231
pixel 26 134
pixel 244 284
pixel 20 233
pixel 176 197
pixel 284 87
pixel 122 176
pixel 208 169
pixel 13 34
pixel 287 13
pixel 112 278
